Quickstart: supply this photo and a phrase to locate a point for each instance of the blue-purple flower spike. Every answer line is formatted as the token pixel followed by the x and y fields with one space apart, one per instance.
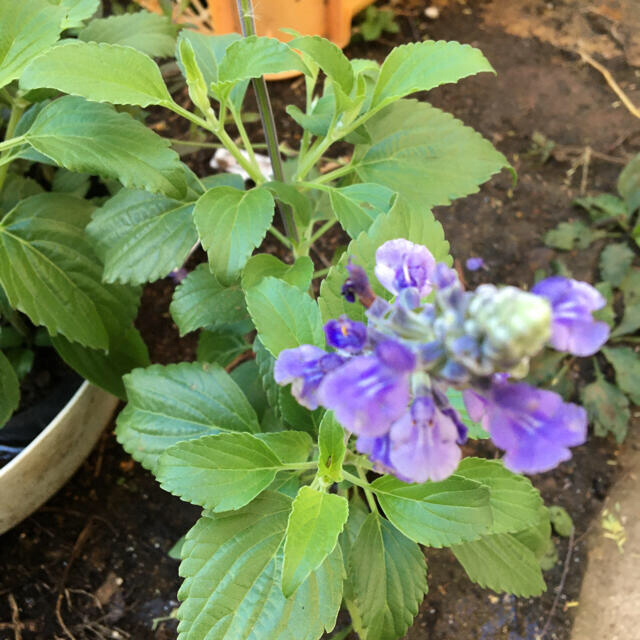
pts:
pixel 368 393
pixel 305 367
pixel 345 334
pixel 573 328
pixel 401 264
pixel 535 427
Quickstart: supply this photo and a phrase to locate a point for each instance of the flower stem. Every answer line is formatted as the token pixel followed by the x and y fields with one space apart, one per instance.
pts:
pixel 245 11
pixel 17 109
pixel 364 485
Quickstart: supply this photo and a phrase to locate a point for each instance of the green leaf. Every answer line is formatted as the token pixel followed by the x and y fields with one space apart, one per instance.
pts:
pixel 223 471
pixel 416 225
pixel 608 408
pixel 94 138
pixel 572 235
pixel 615 261
pixel 626 363
pixel 99 72
pixel 247 376
pixel 9 389
pixel 232 565
pixel 603 206
pixel 436 514
pixel 142 236
pixel 169 404
pixel 256 56
pixel 315 523
pixel 629 184
pixel 127 351
pixel 26 29
pixel 149 33
pixel 284 316
pixel 201 301
pixel 332 448
pixel 328 57
pixel 388 576
pixel 75 184
pixel 358 205
pixel 561 521
pixel 425 154
pixel 77 11
pixel 288 194
pixel 263 265
pixel 422 66
pixel 474 429
pixel 231 224
pixel 514 502
pixel 48 269
pixel 297 416
pixel 630 288
pixel 220 347
pixel 502 563
pixel 319 120
pixel 209 51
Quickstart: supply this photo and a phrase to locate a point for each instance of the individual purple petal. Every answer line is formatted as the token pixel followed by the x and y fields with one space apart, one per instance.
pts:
pixel 473 264
pixel 535 427
pixel 346 334
pixel 357 286
pixel 573 328
pixel 305 367
pixel 369 392
pixel 424 443
pixel 444 276
pixel 401 264
pixel 378 449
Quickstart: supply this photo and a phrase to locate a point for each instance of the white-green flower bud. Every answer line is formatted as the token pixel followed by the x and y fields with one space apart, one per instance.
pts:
pixel 514 324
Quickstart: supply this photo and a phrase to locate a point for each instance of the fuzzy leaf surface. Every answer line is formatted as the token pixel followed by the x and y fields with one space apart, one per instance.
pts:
pixel 315 523
pixel 201 301
pixel 142 236
pixel 169 404
pixel 149 33
pixel 387 572
pixel 231 224
pixel 94 138
pixel 284 316
pixel 425 154
pixel 227 470
pixel 436 514
pixel 232 565
pixel 421 66
pixel 98 72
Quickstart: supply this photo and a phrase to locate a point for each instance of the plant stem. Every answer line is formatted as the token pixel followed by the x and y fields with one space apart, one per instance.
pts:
pixel 306 134
pixel 320 272
pixel 364 485
pixel 335 174
pixel 322 230
pixel 285 241
pixel 17 109
pixel 301 465
pixel 237 118
pixel 245 11
pixel 203 145
pixel 223 136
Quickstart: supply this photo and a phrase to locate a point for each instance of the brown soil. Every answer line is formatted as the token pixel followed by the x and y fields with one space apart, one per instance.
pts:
pixel 92 563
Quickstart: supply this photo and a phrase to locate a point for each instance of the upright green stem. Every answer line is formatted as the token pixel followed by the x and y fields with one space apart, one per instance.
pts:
pixel 245 11
pixel 17 109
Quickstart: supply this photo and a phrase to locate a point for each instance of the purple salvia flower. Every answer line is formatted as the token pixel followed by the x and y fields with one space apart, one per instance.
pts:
pixel 346 334
pixel 473 264
pixel 378 449
pixel 573 328
pixel 401 264
pixel 305 367
pixel 357 286
pixel 535 427
pixel 424 443
pixel 368 393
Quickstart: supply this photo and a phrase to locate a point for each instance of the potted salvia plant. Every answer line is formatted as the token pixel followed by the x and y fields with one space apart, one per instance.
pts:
pixel 319 483
pixel 51 291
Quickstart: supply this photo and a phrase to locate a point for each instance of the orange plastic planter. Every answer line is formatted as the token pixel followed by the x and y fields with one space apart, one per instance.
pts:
pixel 329 18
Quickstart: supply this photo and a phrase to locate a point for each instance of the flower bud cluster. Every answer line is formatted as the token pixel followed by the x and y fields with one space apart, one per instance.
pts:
pixel 387 381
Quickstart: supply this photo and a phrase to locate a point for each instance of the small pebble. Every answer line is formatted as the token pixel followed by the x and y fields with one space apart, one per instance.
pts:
pixel 433 13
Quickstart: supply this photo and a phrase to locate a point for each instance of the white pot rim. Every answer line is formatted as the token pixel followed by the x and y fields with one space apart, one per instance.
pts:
pixel 54 455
